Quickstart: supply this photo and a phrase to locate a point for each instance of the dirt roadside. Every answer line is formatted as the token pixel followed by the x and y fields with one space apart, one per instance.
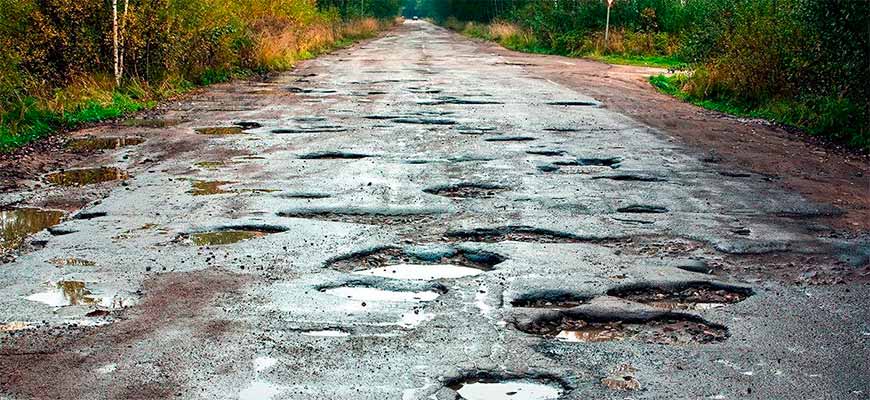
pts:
pixel 791 160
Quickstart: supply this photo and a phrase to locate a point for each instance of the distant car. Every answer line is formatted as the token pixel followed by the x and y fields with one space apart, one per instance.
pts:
pixel 415 18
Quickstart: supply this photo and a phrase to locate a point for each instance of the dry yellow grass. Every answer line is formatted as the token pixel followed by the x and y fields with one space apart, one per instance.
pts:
pixel 500 30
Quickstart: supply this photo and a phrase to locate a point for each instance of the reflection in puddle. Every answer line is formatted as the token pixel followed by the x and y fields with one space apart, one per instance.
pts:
pixel 675 330
pixel 86 176
pixel 209 164
pixel 76 262
pixel 71 293
pixel 695 296
pixel 327 333
pixel 18 223
pixel 259 390
pixel 224 237
pixel 102 143
pixel 203 188
pixel 374 294
pixel 421 271
pixel 513 390
pixel 592 333
pixel 220 130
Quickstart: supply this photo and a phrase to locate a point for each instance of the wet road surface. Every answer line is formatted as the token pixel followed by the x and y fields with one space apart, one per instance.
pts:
pixel 417 218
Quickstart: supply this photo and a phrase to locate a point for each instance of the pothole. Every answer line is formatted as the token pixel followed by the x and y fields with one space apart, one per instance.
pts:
pixel 91 143
pixel 311 129
pixel 204 188
pixel 574 103
pixel 509 139
pixel 72 293
pixel 248 124
pixel 370 292
pixel 561 130
pixel 17 224
pixel 514 234
pixel 642 209
pixel 547 153
pixel 71 262
pixel 550 299
pixel 333 155
pixel 363 217
pixel 220 130
pixel 621 378
pixel 696 296
pixel 418 264
pixel 424 121
pixel 669 329
pixel 458 101
pixel 495 387
pixel 152 123
pixel 86 176
pixel 234 234
pixel 612 162
pixel 304 195
pixel 466 190
pixel 631 178
pixel 326 333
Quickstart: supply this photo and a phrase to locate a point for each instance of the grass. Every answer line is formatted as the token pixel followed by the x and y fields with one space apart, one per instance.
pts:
pixel 834 118
pixel 669 62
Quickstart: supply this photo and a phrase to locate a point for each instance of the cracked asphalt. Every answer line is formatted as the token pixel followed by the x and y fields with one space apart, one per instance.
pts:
pixel 413 214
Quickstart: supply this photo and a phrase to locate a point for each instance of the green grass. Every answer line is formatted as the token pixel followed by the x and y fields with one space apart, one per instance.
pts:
pixel 669 62
pixel 834 118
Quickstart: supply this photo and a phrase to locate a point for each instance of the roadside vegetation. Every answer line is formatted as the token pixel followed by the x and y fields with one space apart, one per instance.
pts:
pixel 804 63
pixel 59 68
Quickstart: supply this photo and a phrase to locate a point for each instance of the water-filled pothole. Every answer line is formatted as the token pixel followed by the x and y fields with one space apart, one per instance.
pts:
pixel 575 103
pixel 203 188
pixel 418 264
pixel 234 234
pixel 547 153
pixel 363 217
pixel 220 130
pixel 550 299
pixel 642 209
pixel 509 139
pixel 17 224
pixel 71 293
pixel 333 155
pixel 514 234
pixel 466 190
pixel 670 329
pixel 612 162
pixel 152 123
pixel 311 129
pixel 86 176
pixel 494 387
pixel 631 178
pixel 91 143
pixel 72 262
pixel 697 296
pixel 424 121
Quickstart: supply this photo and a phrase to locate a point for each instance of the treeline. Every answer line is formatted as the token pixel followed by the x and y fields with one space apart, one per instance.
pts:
pixel 59 58
pixel 801 62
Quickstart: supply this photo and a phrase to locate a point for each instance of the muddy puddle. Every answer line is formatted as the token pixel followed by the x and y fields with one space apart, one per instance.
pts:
pixel 86 176
pixel 696 296
pixel 550 300
pixel 675 329
pixel 92 143
pixel 397 263
pixel 17 224
pixel 466 190
pixel 152 123
pixel 72 293
pixel 612 162
pixel 513 234
pixel 224 237
pixel 507 389
pixel 204 188
pixel 220 130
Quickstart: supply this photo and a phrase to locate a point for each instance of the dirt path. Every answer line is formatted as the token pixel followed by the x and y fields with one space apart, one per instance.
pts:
pixel 421 216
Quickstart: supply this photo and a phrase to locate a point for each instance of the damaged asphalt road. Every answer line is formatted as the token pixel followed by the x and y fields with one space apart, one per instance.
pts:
pixel 416 218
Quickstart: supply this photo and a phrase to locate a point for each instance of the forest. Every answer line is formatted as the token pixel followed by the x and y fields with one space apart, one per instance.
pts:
pixel 803 63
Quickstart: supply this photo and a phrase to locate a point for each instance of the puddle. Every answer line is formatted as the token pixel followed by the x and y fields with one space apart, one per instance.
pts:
pixel 327 333
pixel 509 139
pixel 152 123
pixel 693 296
pixel 550 300
pixel 561 130
pixel 304 195
pixel 671 329
pixel 210 164
pixel 86 176
pixel 466 190
pixel 248 124
pixel 311 129
pixel 332 155
pixel 631 178
pixel 102 143
pixel 397 263
pixel 574 103
pixel 71 293
pixel 508 389
pixel 203 188
pixel 441 100
pixel 72 262
pixel 361 217
pixel 14 326
pixel 514 234
pixel 362 293
pixel 642 209
pixel 224 237
pixel 425 121
pixel 16 224
pixel 220 130
pixel 612 162
pixel 422 271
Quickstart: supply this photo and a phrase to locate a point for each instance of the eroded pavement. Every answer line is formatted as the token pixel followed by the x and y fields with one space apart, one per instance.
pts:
pixel 413 218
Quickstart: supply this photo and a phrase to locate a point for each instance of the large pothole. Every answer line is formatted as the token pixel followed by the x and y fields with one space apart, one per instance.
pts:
pixel 418 263
pixel 466 190
pixel 86 176
pixel 514 234
pixel 233 234
pixel 665 328
pixel 16 224
pixel 696 296
pixel 333 155
pixel 489 386
pixel 91 143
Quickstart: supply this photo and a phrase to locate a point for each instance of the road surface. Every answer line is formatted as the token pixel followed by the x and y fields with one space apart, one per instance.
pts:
pixel 420 217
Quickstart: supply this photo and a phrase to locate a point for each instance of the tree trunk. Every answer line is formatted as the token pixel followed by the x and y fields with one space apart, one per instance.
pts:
pixel 115 41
